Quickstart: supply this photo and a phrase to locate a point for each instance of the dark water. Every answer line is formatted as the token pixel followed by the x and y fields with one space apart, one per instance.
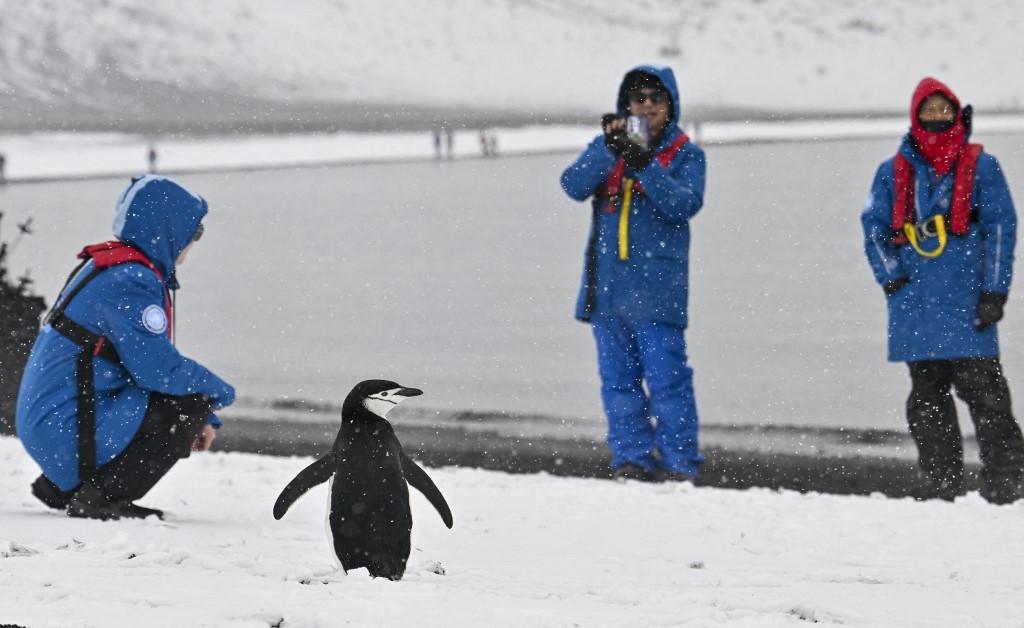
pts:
pixel 460 278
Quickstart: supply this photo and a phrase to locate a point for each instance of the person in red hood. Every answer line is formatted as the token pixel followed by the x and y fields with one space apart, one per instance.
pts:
pixel 939 234
pixel 939 133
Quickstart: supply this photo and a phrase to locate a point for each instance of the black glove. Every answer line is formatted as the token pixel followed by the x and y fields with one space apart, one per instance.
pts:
pixel 894 286
pixel 617 141
pixel 637 157
pixel 990 309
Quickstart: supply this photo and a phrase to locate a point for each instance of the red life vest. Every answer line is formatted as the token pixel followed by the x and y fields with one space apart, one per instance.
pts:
pixel 115 253
pixel 963 190
pixel 613 185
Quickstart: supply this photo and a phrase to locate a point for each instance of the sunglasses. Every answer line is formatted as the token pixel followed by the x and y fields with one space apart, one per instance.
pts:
pixel 656 97
pixel 199 232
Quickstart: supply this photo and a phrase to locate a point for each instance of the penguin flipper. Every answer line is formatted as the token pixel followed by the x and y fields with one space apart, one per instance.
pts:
pixel 316 473
pixel 418 479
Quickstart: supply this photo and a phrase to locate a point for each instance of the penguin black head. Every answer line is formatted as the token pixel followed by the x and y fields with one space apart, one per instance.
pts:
pixel 379 396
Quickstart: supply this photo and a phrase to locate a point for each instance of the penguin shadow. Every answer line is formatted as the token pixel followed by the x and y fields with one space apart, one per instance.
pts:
pixel 368 515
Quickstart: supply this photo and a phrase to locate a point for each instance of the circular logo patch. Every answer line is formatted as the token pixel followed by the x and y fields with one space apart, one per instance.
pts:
pixel 154 319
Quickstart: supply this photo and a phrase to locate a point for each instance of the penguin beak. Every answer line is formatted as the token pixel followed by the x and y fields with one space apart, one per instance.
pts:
pixel 409 392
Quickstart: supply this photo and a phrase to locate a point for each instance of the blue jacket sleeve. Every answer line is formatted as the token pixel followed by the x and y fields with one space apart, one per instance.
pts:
pixel 998 221
pixel 150 358
pixel 677 192
pixel 581 179
pixel 882 253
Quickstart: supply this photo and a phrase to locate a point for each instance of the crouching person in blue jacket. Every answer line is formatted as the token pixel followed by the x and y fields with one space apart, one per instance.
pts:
pixel 107 405
pixel 940 230
pixel 645 185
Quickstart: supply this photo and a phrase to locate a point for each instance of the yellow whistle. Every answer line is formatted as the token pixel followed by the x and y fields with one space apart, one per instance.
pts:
pixel 940 231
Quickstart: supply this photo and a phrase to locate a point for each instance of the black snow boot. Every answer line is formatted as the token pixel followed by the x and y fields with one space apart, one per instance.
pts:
pixel 929 490
pixel 675 476
pixel 1003 490
pixel 88 502
pixel 47 492
pixel 630 471
pixel 135 511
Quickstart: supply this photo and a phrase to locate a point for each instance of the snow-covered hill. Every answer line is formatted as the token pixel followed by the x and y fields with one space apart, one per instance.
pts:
pixel 123 61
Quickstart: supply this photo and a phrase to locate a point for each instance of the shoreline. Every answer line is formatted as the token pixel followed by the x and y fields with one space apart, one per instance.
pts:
pixel 861 462
pixel 837 461
pixel 62 156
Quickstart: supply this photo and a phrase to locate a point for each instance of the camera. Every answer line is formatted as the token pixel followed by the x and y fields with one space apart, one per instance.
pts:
pixel 638 130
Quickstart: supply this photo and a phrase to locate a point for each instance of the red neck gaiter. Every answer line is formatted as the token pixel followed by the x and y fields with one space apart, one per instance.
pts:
pixel 940 149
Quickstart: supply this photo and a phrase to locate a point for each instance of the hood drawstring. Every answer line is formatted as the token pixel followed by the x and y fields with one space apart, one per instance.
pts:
pixel 174 319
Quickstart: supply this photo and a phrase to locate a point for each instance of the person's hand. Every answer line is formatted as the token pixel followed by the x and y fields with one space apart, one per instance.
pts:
pixel 205 438
pixel 637 157
pixel 990 309
pixel 894 286
pixel 615 137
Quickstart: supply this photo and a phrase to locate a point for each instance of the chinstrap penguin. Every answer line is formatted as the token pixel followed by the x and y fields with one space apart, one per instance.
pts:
pixel 369 516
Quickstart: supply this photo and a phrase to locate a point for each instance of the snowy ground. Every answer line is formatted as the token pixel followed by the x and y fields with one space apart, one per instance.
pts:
pixel 525 551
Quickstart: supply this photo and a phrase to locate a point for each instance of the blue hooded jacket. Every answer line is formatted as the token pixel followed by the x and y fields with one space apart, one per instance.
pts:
pixel 932 317
pixel 158 217
pixel 653 283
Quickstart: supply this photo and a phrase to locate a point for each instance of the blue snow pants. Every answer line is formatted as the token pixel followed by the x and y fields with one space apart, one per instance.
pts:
pixel 663 418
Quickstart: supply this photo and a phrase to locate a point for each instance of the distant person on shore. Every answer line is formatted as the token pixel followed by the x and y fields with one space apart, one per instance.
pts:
pixel 940 229
pixel 488 143
pixel 449 137
pixel 107 405
pixel 3 169
pixel 645 186
pixel 437 142
pixel 485 148
pixel 492 143
pixel 151 157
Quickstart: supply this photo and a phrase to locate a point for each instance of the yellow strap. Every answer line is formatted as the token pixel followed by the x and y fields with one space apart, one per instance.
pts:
pixel 627 199
pixel 940 229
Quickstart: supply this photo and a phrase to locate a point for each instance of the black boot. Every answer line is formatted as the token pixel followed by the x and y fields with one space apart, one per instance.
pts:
pixel 135 511
pixel 675 476
pixel 1003 490
pixel 47 492
pixel 88 502
pixel 630 471
pixel 930 490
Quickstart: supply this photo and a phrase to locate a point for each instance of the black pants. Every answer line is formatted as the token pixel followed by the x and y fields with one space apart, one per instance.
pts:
pixel 931 415
pixel 165 436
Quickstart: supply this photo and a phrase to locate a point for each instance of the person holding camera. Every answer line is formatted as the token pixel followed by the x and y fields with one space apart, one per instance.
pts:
pixel 645 180
pixel 940 229
pixel 107 404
